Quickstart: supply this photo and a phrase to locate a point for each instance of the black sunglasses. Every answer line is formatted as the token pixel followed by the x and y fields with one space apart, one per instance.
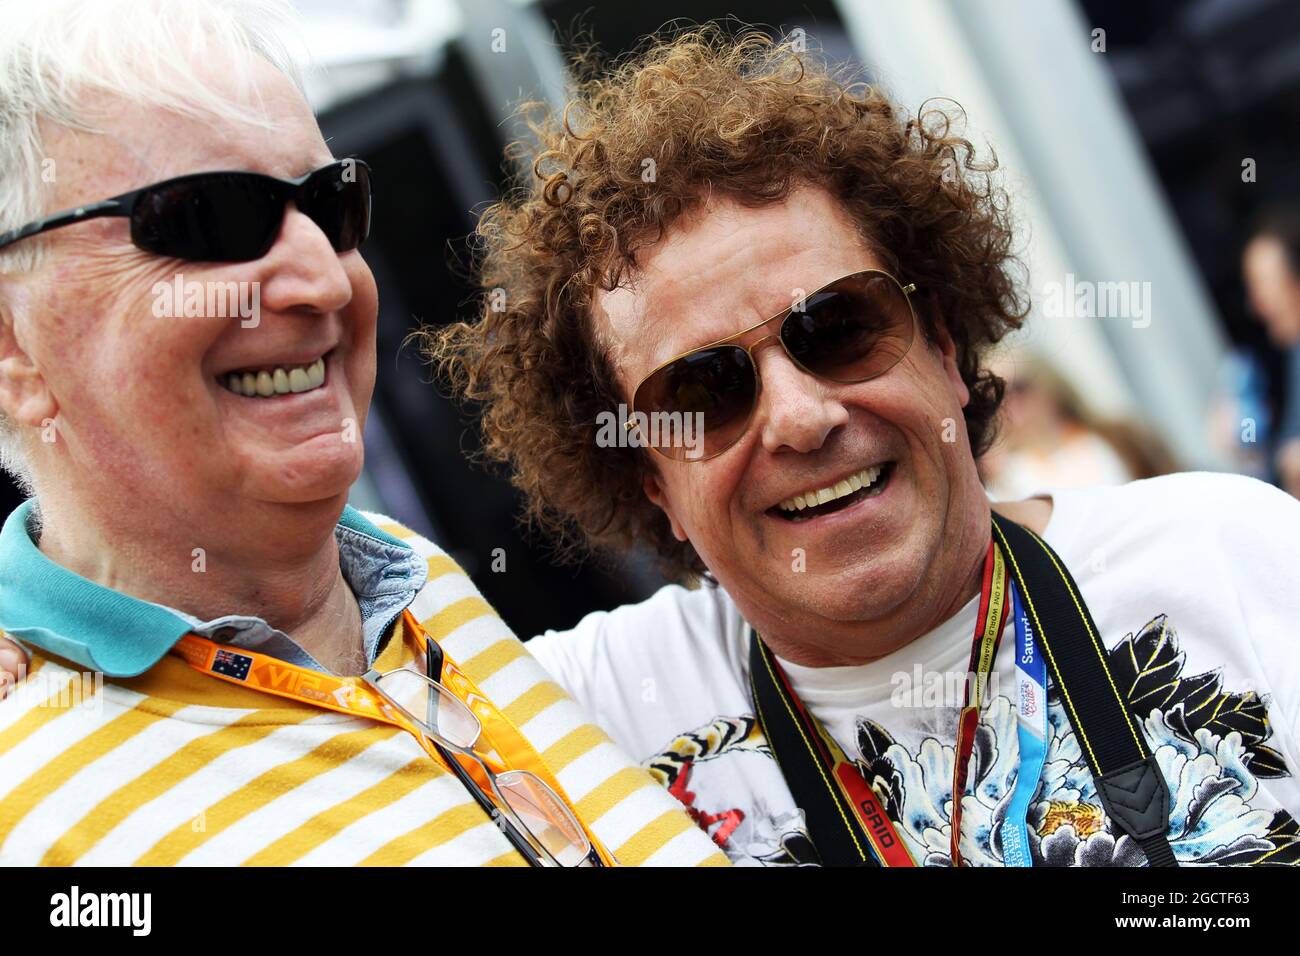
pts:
pixel 230 216
pixel 698 405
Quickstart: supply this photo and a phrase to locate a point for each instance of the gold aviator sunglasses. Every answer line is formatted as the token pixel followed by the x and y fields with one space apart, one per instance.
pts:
pixel 698 404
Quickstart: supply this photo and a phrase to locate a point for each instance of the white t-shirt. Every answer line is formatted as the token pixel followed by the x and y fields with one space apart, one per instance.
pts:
pixel 1194 583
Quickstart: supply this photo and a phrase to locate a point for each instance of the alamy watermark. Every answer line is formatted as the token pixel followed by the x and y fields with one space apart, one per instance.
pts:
pixel 83 691
pixel 74 908
pixel 654 430
pixel 922 687
pixel 191 299
pixel 1083 299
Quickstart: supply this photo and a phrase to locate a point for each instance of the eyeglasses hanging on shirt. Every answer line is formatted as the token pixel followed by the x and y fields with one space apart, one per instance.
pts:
pixel 451 720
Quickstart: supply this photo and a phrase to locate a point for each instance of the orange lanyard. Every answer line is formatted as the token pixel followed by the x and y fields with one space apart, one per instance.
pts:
pixel 984 650
pixel 507 748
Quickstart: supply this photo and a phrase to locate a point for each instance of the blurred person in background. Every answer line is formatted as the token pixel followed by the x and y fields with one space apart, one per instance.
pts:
pixel 1049 438
pixel 1271 270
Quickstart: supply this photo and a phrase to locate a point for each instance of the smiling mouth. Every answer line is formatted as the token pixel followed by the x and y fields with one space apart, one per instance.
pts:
pixel 273 381
pixel 866 483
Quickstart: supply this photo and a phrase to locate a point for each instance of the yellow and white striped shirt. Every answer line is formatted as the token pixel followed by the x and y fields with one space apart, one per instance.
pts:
pixel 176 768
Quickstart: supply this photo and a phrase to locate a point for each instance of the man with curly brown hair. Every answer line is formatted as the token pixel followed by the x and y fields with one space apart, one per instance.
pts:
pixel 782 289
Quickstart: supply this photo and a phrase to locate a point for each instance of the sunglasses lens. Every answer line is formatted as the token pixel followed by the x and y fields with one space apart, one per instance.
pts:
pixel 544 816
pixel 699 404
pixel 337 198
pixel 235 217
pixel 222 217
pixel 855 329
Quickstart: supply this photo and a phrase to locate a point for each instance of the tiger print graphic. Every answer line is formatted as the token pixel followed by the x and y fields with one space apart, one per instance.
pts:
pixel 781 840
pixel 721 736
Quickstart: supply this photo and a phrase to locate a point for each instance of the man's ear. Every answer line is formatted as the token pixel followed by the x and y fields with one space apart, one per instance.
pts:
pixel 24 396
pixel 948 355
pixel 654 490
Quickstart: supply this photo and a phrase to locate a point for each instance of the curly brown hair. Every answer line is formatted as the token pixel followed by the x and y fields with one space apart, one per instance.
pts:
pixel 747 116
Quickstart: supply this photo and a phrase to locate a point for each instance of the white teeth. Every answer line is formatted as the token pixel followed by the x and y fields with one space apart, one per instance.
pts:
pixel 277 381
pixel 846 486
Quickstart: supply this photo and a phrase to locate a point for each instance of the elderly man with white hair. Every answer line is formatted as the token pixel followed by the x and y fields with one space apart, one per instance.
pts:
pixel 229 665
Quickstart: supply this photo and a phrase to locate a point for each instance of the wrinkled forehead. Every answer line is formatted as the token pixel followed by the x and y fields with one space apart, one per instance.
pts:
pixel 268 128
pixel 720 270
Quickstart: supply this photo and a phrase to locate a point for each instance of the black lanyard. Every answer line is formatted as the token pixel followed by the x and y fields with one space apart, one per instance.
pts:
pixel 1129 782
pixel 847 821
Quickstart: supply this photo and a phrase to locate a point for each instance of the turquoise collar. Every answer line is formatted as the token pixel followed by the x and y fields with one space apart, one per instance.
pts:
pixel 59 611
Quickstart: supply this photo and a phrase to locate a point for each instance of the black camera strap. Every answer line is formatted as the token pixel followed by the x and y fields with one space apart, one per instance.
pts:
pixel 1128 779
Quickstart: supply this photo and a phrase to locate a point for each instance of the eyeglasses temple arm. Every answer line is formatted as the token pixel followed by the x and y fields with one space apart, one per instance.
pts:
pixel 433 668
pixel 433 658
pixel 109 207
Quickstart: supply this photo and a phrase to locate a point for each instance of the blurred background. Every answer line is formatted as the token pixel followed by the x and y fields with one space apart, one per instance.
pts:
pixel 1150 147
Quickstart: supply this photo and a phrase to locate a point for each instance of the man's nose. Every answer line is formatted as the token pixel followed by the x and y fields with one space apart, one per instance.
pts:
pixel 796 410
pixel 303 272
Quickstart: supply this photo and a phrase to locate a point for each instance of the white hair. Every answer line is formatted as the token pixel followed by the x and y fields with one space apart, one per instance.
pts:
pixel 143 52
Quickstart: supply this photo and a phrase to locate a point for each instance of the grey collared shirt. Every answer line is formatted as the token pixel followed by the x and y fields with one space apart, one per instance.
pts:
pixel 384 578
